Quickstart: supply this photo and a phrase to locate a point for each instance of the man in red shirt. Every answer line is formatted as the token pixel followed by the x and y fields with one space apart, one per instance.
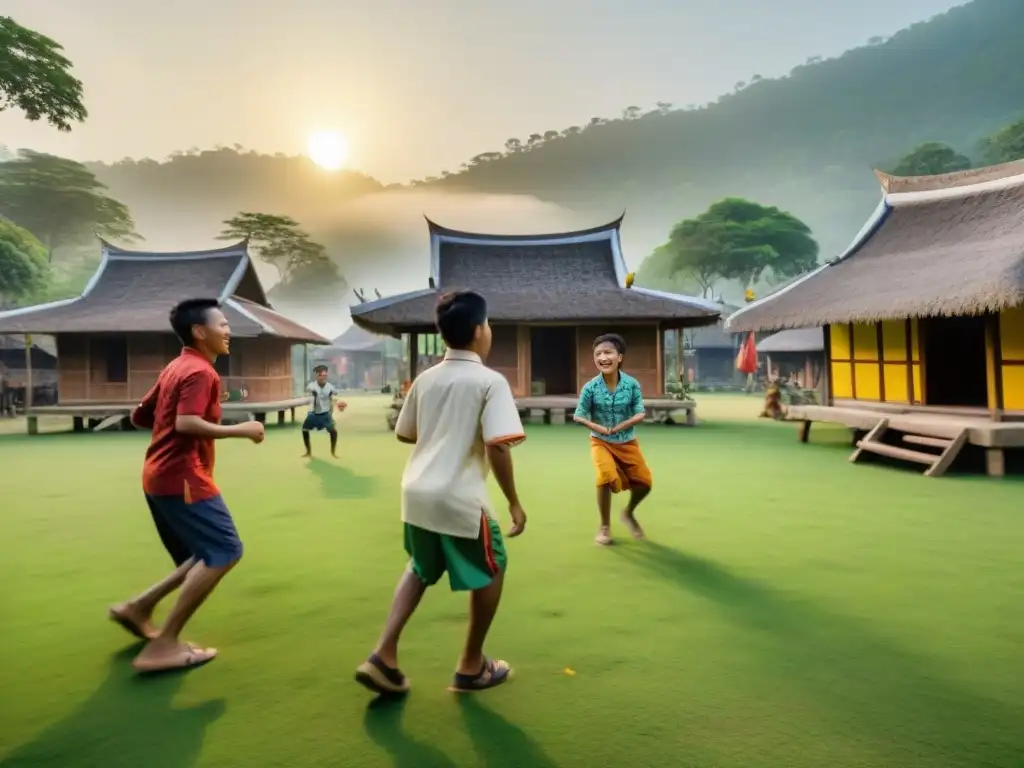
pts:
pixel 183 411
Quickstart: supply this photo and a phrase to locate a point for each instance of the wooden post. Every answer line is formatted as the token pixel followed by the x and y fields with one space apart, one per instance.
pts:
pixel 659 335
pixel 28 372
pixel 414 349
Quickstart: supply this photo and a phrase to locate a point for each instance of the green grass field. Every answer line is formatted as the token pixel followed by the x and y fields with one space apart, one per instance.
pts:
pixel 790 609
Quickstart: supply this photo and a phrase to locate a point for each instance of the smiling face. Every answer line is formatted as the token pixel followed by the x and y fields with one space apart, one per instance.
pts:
pixel 321 377
pixel 215 334
pixel 607 357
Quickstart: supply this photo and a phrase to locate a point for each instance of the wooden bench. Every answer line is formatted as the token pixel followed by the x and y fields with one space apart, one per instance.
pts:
pixel 87 416
pixel 552 410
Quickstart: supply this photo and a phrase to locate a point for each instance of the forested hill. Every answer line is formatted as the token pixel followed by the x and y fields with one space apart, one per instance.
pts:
pixel 805 142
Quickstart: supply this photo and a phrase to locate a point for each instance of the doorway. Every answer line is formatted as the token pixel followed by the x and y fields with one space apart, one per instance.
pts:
pixel 553 360
pixel 956 369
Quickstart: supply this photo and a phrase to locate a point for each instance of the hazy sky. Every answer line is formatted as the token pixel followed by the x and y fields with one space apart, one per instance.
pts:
pixel 417 85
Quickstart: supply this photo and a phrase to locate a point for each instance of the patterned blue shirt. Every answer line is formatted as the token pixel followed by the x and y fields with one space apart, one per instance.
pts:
pixel 607 409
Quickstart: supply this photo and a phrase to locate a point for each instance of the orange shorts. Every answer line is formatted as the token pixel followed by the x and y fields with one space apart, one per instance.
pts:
pixel 620 465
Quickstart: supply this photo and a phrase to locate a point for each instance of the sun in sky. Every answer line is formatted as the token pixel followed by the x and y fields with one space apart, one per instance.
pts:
pixel 328 149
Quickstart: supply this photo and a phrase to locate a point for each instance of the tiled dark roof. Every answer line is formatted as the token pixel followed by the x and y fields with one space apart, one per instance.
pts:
pixel 930 250
pixel 273 323
pixel 569 277
pixel 133 291
pixel 794 340
pixel 355 339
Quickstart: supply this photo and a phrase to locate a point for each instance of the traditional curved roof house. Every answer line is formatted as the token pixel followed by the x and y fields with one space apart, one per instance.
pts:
pixel 548 297
pixel 113 339
pixel 925 309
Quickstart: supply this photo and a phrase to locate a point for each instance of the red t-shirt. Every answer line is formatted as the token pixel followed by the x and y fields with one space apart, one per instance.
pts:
pixel 177 464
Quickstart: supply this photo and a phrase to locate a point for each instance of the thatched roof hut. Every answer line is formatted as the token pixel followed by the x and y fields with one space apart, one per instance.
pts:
pixel 936 246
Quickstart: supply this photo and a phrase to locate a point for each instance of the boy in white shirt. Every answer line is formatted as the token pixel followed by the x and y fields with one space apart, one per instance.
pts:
pixel 320 415
pixel 460 416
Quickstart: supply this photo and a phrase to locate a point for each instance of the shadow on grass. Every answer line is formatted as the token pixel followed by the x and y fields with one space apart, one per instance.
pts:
pixel 127 721
pixel 861 680
pixel 340 482
pixel 383 724
pixel 497 742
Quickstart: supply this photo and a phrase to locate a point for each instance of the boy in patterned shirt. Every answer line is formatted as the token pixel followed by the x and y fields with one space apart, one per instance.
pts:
pixel 610 406
pixel 320 415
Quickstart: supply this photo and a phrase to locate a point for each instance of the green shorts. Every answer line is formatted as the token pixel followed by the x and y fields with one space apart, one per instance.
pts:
pixel 471 563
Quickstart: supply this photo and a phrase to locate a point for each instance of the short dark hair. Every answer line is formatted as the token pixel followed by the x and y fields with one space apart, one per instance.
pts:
pixel 188 313
pixel 457 315
pixel 320 368
pixel 611 338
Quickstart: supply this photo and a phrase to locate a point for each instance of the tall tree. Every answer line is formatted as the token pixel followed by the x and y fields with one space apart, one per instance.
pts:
pixel 931 158
pixel 272 237
pixel 300 262
pixel 36 78
pixel 737 239
pixel 23 264
pixel 60 201
pixel 1005 145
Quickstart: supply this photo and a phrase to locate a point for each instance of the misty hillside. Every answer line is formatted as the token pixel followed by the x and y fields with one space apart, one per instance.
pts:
pixel 806 142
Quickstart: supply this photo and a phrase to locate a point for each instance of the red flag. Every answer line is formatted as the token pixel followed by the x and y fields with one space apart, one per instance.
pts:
pixel 746 360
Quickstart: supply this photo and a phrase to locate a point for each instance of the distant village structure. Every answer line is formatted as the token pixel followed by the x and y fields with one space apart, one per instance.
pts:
pixel 797 354
pixel 113 340
pixel 358 359
pixel 923 320
pixel 549 296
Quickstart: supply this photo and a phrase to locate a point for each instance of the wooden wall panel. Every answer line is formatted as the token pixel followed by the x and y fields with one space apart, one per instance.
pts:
pixel 504 356
pixel 641 359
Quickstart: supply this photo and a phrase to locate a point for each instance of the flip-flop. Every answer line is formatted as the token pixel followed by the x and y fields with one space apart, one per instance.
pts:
pixel 128 625
pixel 374 675
pixel 193 657
pixel 493 674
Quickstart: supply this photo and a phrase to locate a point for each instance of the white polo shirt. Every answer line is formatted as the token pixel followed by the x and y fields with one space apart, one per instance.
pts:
pixel 453 411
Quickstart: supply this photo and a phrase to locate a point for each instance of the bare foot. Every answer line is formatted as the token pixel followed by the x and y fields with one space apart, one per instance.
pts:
pixel 306 455
pixel 161 655
pixel 604 536
pixel 634 527
pixel 134 621
pixel 334 455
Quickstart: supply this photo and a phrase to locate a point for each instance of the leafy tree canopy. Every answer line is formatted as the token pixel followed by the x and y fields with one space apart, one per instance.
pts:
pixel 737 239
pixel 60 201
pixel 1005 145
pixel 302 263
pixel 23 264
pixel 931 158
pixel 36 78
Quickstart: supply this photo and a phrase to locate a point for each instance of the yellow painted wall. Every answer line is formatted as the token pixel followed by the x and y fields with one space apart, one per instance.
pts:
pixel 839 338
pixel 865 343
pixel 1011 341
pixel 1011 333
pixel 894 340
pixel 856 359
pixel 842 380
pixel 868 385
pixel 895 381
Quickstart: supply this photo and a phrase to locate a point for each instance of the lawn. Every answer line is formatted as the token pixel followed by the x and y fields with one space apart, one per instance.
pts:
pixel 790 609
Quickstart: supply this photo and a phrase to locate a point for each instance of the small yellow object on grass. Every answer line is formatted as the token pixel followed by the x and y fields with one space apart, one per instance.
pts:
pixel 630 278
pixel 569 671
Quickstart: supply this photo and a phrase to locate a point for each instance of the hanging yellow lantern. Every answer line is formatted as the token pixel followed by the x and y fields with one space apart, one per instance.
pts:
pixel 749 295
pixel 629 279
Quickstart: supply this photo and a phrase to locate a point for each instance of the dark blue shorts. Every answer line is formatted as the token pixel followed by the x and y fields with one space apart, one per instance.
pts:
pixel 318 421
pixel 203 529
